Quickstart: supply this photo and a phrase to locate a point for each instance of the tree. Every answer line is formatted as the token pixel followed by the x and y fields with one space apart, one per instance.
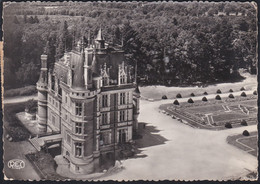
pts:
pixel 51 50
pixel 36 20
pixel 28 73
pixel 133 48
pixel 46 17
pixel 16 20
pixel 31 20
pixel 25 18
pixel 223 51
pixel 64 41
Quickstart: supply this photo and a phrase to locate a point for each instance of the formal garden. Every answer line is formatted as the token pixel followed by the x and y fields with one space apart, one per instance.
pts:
pixel 215 113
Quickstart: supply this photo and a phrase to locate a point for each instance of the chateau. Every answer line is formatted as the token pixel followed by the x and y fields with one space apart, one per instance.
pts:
pixel 91 101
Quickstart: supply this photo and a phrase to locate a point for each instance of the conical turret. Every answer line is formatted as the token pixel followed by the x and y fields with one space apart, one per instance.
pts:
pixel 99 41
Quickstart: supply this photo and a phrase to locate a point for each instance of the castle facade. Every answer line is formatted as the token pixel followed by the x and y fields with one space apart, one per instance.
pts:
pixel 91 99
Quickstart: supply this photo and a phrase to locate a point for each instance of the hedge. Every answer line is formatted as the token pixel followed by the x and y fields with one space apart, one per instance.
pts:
pixel 228 125
pixel 246 133
pixel 164 97
pixel 231 96
pixel 190 100
pixel 219 91
pixel 218 97
pixel 176 102
pixel 243 94
pixel 24 91
pixel 243 122
pixel 178 95
pixel 204 99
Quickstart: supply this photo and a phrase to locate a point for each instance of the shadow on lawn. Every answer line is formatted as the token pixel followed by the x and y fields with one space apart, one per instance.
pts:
pixel 148 136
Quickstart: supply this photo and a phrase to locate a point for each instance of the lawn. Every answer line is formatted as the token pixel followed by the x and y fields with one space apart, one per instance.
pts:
pixel 12 124
pixel 252 103
pixel 206 109
pixel 246 143
pixel 23 91
pixel 44 164
pixel 156 92
pixel 229 116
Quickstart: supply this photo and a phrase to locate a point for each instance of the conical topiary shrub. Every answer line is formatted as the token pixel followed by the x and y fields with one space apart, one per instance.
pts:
pixel 176 102
pixel 164 97
pixel 190 100
pixel 205 93
pixel 255 93
pixel 178 95
pixel 231 96
pixel 228 125
pixel 218 97
pixel 246 133
pixel 204 99
pixel 243 123
pixel 192 94
pixel 243 94
pixel 231 91
pixel 218 91
pixel 242 89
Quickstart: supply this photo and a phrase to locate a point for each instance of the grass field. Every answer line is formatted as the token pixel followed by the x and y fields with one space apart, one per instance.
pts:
pixel 156 92
pixel 23 91
pixel 206 109
pixel 12 124
pixel 228 116
pixel 246 143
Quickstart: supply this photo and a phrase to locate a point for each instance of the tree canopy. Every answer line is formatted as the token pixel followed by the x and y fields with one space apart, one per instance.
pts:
pixel 172 43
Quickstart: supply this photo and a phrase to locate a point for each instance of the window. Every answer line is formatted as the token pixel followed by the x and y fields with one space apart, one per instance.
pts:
pixel 66 99
pixel 122 136
pixel 68 139
pixel 78 128
pixel 104 118
pixel 78 108
pixel 104 101
pixel 122 116
pixel 105 138
pixel 78 149
pixel 105 81
pixel 123 79
pixel 122 98
pixel 53 120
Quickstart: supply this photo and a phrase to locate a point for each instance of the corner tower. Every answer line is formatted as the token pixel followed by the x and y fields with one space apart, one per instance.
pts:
pixel 42 87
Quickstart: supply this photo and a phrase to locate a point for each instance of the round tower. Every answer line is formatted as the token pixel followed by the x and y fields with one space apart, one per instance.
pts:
pixel 42 96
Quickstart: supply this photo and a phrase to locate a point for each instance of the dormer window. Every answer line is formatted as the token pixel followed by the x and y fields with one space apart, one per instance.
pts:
pixel 105 81
pixel 123 79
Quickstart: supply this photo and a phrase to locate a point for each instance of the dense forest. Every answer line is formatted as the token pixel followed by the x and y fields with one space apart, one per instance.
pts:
pixel 173 43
